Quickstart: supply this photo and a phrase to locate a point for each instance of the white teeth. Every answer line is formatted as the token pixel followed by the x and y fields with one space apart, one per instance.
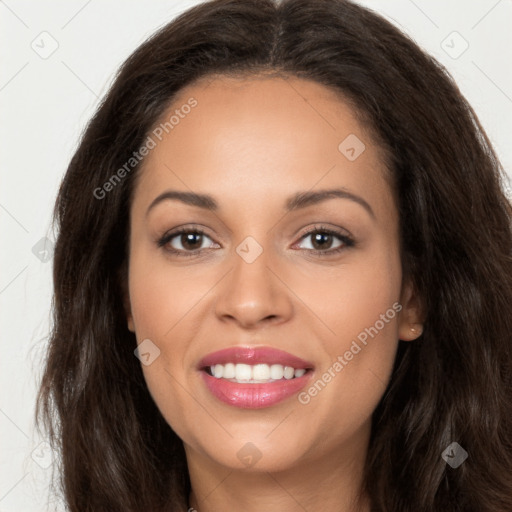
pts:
pixel 229 371
pixel 257 373
pixel 289 372
pixel 243 372
pixel 218 371
pixel 260 372
pixel 276 371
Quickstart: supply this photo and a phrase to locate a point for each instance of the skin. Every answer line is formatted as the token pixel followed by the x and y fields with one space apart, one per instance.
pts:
pixel 251 143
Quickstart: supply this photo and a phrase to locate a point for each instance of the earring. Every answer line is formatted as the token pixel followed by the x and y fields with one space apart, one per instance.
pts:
pixel 417 330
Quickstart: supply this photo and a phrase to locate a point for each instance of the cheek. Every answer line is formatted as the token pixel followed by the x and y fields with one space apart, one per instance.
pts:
pixel 352 297
pixel 359 304
pixel 179 407
pixel 161 297
pixel 161 294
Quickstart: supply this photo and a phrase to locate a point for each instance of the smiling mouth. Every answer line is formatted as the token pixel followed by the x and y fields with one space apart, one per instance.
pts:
pixel 254 377
pixel 254 374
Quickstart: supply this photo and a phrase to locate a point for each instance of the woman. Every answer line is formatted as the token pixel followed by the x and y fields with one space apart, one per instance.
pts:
pixel 282 277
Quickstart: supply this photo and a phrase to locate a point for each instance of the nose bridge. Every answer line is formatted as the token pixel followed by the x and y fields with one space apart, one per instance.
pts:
pixel 252 292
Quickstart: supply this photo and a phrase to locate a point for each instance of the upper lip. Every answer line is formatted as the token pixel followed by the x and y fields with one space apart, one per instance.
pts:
pixel 253 355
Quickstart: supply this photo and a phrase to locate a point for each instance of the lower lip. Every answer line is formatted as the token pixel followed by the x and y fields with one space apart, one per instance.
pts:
pixel 254 396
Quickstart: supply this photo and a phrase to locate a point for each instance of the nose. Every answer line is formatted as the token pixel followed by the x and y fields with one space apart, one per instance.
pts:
pixel 253 294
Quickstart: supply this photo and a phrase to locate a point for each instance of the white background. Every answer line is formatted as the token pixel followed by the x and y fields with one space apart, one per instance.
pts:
pixel 44 105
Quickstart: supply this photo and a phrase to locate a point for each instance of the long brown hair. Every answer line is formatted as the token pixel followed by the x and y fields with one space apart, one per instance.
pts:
pixel 452 385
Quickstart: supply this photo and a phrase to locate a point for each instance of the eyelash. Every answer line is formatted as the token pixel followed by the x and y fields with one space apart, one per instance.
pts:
pixel 347 241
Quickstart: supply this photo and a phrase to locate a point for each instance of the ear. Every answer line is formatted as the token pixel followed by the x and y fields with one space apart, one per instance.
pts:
pixel 411 319
pixel 125 295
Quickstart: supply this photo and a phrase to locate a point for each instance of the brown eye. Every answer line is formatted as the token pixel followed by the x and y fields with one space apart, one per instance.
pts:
pixel 326 241
pixel 321 241
pixel 190 241
pixel 185 242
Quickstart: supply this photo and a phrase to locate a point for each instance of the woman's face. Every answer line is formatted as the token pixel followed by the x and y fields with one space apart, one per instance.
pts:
pixel 266 151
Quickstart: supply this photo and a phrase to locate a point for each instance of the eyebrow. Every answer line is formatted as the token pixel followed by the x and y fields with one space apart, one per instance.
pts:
pixel 295 202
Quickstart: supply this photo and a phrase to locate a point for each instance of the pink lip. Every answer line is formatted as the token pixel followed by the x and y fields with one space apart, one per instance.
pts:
pixel 254 396
pixel 253 355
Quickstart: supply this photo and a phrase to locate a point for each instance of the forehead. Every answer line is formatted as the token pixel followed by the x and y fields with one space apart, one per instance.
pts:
pixel 259 134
